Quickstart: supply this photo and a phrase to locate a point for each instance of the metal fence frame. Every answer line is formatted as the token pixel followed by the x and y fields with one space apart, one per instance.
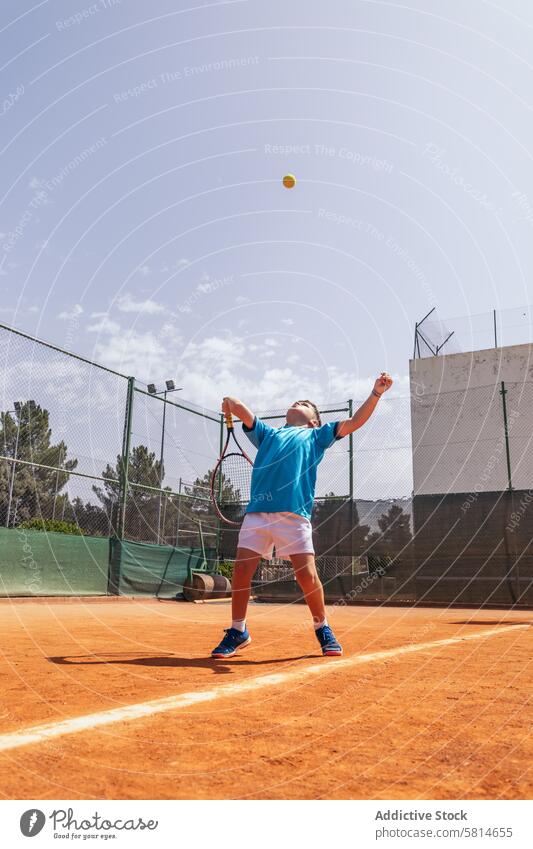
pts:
pixel 15 460
pixel 122 482
pixel 117 522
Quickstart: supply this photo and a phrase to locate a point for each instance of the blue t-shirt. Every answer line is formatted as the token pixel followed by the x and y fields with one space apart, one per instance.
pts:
pixel 284 475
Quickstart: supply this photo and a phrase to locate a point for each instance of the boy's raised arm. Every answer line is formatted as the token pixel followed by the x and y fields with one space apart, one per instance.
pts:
pixel 237 408
pixel 382 384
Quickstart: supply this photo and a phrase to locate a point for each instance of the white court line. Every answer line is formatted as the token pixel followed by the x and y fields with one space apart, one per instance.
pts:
pixel 41 733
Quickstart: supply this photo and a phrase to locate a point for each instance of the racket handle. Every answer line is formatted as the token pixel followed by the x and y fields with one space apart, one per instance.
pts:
pixel 229 421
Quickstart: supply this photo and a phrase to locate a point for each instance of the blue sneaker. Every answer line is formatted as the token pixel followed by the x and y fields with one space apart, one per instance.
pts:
pixel 328 642
pixel 232 642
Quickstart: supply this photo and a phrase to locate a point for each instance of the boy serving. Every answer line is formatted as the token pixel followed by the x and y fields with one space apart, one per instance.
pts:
pixel 281 502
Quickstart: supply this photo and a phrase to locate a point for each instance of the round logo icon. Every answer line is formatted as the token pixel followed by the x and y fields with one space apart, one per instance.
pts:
pixel 32 822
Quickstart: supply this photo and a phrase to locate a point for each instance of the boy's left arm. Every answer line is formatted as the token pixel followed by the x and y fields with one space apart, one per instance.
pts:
pixel 382 384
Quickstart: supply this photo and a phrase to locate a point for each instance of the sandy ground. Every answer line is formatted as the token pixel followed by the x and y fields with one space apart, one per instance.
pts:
pixel 448 722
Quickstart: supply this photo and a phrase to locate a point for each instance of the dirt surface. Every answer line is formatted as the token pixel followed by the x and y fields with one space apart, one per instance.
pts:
pixel 445 722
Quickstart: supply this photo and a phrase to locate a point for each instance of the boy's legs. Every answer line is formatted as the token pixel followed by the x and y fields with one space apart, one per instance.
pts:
pixel 307 576
pixel 246 562
pixel 237 636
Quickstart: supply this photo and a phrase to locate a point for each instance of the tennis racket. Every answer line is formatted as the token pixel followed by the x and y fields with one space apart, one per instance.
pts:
pixel 231 480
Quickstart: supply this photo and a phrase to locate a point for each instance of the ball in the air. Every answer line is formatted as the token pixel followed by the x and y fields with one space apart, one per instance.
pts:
pixel 289 181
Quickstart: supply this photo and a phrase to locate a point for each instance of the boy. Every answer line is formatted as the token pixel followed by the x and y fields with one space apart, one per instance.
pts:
pixel 279 511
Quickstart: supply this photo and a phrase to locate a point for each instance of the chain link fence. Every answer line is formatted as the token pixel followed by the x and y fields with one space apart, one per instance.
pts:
pixel 493 329
pixel 85 450
pixel 61 431
pixel 460 533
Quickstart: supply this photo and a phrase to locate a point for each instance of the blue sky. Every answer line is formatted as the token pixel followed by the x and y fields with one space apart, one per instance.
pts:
pixel 142 216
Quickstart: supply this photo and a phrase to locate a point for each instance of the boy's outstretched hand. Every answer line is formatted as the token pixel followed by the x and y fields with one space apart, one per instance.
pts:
pixel 383 383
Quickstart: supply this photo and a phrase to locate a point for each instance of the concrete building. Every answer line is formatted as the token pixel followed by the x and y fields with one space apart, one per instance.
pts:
pixel 472 442
pixel 458 421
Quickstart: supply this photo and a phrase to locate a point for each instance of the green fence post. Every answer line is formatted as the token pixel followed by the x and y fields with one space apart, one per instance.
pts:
pixel 350 450
pixel 503 393
pixel 115 543
pixel 350 486
pixel 219 522
pixel 511 561
pixel 179 515
pixel 125 459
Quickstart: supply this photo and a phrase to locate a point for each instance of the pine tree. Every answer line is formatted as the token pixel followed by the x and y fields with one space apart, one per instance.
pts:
pixel 387 547
pixel 26 435
pixel 142 506
pixel 337 528
pixel 197 508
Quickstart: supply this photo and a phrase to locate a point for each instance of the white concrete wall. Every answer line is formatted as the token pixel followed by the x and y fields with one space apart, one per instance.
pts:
pixel 457 420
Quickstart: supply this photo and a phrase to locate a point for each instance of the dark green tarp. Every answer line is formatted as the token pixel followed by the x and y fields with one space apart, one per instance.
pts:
pixel 37 563
pixel 145 569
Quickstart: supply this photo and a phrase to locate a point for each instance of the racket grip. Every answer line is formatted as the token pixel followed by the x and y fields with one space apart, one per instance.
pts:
pixel 229 421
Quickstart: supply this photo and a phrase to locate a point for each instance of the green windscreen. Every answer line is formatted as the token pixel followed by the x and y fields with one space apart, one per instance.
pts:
pixel 37 563
pixel 144 569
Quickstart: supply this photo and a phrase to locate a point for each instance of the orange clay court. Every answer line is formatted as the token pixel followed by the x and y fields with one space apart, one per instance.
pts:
pixel 120 699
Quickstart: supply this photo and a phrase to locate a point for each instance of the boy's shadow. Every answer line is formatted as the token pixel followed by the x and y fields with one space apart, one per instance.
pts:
pixel 217 666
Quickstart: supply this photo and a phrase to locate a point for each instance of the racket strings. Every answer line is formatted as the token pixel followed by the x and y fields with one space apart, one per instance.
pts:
pixel 232 485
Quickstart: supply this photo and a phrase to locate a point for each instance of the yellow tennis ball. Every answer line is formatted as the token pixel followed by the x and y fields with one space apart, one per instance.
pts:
pixel 289 181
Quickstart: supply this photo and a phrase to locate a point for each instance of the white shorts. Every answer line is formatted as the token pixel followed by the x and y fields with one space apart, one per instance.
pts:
pixel 288 532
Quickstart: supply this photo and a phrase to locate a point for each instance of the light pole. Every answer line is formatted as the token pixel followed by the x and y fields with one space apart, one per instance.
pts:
pixel 178 521
pixel 18 405
pixel 170 387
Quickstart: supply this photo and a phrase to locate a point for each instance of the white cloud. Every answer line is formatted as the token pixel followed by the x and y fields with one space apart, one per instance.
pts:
pixel 340 385
pixel 38 185
pixel 175 266
pixel 240 299
pixel 104 325
pixel 141 354
pixel 10 265
pixel 216 350
pixel 287 321
pixel 74 311
pixel 169 331
pixel 60 385
pixel 265 346
pixel 227 364
pixel 145 270
pixel 127 303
